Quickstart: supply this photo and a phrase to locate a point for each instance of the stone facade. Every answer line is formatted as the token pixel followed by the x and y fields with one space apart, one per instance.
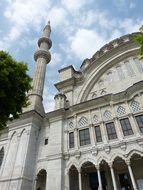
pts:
pixel 93 140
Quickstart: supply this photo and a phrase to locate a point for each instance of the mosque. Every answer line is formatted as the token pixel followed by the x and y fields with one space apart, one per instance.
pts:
pixel 93 140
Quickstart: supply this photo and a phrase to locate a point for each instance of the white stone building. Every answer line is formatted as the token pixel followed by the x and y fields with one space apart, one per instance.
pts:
pixel 93 140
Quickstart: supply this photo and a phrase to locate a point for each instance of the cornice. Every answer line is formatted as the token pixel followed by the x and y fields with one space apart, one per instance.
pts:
pixel 105 100
pixel 55 115
pixel 108 48
pixel 25 118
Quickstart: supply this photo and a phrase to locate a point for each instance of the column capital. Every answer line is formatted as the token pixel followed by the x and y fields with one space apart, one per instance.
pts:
pixel 128 162
pixel 79 170
pixel 110 164
pixel 97 167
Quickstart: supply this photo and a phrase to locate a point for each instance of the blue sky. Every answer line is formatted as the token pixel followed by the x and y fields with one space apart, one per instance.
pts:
pixel 79 29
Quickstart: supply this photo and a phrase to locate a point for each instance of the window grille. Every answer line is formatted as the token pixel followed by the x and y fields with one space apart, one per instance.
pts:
pixel 71 125
pixel 83 122
pixel 95 119
pixel 107 115
pixel 121 110
pixel 135 106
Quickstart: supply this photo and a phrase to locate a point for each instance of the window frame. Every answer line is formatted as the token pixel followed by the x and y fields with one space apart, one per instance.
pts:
pixel 84 141
pixel 97 135
pixel 113 135
pixel 126 128
pixel 141 131
pixel 71 140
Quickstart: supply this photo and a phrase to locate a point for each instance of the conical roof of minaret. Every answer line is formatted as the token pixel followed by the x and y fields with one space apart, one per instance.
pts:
pixel 47 30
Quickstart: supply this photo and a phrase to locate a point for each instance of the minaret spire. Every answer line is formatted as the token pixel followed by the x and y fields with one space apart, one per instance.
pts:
pixel 42 57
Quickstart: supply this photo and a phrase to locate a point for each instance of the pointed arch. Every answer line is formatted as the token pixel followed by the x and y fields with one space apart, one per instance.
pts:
pixel 84 160
pixel 121 110
pixel 107 115
pixel 22 132
pixel 72 163
pixel 83 121
pixel 101 159
pixel 13 134
pixel 41 179
pixel 95 119
pixel 135 106
pixel 133 152
pixel 117 156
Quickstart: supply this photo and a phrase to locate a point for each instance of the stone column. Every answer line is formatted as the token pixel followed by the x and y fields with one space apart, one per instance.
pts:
pixel 131 175
pixel 118 129
pixel 92 135
pixel 99 177
pixel 76 138
pixel 67 181
pixel 113 177
pixel 75 133
pixel 80 180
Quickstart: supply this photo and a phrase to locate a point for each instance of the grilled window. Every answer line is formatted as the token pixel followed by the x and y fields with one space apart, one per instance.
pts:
pixel 111 131
pixel 84 137
pixel 98 134
pixel 71 140
pixel 139 120
pixel 126 127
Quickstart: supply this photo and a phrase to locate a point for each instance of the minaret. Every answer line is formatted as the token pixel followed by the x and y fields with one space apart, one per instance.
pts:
pixel 42 57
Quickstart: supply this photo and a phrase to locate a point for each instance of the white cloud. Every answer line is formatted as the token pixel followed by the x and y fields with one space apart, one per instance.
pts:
pixel 73 5
pixel 57 16
pixel 56 59
pixel 86 42
pixel 48 100
pixel 132 5
pixel 129 25
pixel 23 14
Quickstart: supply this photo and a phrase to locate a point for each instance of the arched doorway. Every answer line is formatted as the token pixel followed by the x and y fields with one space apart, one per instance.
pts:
pixel 105 176
pixel 89 176
pixel 73 178
pixel 137 168
pixel 123 180
pixel 41 180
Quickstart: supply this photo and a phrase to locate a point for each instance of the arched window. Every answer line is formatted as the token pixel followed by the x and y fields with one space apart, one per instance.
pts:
pixel 41 180
pixel 1 155
pixel 107 115
pixel 95 119
pixel 135 106
pixel 71 125
pixel 83 121
pixel 121 110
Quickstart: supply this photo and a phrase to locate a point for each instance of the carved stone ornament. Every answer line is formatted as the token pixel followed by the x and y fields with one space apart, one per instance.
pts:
pixel 123 146
pixel 77 154
pixel 107 149
pixel 140 142
pixel 94 151
pixel 66 156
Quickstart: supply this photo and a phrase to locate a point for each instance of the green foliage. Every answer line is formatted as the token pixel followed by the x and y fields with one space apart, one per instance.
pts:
pixel 139 39
pixel 14 85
